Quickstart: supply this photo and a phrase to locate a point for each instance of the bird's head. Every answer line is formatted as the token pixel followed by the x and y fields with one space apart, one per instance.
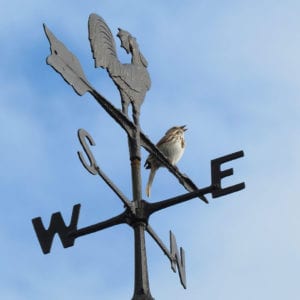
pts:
pixel 176 130
pixel 183 128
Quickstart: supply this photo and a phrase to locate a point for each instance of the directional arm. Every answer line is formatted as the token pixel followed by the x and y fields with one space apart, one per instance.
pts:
pixel 117 191
pixel 156 206
pixel 68 233
pixel 119 219
pixel 176 258
pixel 158 241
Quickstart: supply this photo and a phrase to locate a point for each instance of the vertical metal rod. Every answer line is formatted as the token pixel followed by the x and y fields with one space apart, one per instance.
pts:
pixel 141 280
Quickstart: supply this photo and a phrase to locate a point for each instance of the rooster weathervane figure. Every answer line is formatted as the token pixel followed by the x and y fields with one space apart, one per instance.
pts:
pixel 132 80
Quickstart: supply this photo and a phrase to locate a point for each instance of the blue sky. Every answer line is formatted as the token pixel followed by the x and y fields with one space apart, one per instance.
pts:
pixel 227 69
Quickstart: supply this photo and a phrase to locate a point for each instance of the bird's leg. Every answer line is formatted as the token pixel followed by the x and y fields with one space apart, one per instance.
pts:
pixel 176 168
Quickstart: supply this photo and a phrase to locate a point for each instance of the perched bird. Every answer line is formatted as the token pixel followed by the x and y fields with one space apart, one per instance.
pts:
pixel 172 145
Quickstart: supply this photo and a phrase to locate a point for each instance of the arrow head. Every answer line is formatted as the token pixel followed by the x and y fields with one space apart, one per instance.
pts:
pixel 66 64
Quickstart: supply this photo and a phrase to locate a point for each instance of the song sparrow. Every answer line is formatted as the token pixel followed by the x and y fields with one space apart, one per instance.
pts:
pixel 172 146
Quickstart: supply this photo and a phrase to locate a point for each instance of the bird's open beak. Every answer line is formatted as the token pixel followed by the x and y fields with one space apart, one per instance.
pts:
pixel 183 127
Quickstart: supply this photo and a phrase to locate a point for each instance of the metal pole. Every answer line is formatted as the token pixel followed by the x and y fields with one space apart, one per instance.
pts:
pixel 141 280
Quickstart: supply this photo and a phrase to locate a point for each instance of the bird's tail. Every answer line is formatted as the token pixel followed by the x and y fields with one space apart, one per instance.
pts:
pixel 149 183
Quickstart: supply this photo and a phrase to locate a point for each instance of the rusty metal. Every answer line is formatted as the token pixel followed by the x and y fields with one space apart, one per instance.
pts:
pixel 133 82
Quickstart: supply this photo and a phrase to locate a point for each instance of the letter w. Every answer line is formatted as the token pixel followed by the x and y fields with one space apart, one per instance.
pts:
pixel 57 225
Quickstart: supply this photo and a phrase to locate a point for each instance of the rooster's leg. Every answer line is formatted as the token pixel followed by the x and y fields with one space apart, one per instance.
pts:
pixel 125 108
pixel 136 114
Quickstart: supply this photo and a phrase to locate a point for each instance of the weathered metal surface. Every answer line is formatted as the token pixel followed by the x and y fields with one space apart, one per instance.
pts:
pixel 133 82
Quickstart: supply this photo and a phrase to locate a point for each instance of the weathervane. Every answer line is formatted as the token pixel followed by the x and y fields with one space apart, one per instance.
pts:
pixel 133 82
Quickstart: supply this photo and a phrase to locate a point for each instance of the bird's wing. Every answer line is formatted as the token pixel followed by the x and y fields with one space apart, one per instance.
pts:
pixel 102 42
pixel 165 139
